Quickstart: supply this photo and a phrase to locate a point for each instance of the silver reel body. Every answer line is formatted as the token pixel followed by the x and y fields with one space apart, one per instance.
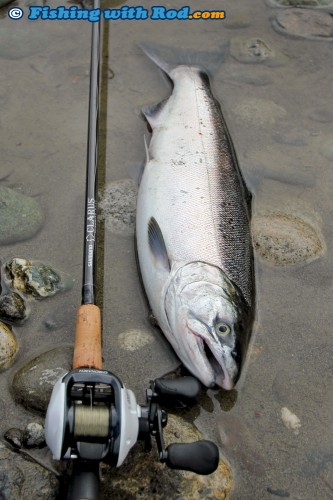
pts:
pixel 91 416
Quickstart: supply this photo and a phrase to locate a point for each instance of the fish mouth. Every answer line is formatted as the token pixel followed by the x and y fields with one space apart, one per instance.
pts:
pixel 211 371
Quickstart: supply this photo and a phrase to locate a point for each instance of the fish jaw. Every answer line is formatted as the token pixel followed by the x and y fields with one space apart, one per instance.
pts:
pixel 217 366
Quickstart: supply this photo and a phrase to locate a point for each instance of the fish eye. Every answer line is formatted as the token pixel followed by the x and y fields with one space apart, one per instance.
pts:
pixel 222 328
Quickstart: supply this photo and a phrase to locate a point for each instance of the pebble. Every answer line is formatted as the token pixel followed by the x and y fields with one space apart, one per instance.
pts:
pixel 35 278
pixel 33 435
pixel 33 383
pixel 135 339
pixel 256 50
pixel 13 308
pixel 8 346
pixel 259 111
pixel 290 420
pixel 21 478
pixel 21 216
pixel 278 492
pixel 118 206
pixel 285 240
pixel 326 148
pixel 142 474
pixel 308 24
pixel 14 437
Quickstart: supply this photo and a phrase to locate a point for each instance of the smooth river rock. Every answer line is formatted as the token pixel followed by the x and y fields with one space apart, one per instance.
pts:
pixel 300 23
pixel 21 216
pixel 134 339
pixel 33 435
pixel 256 51
pixel 8 346
pixel 143 476
pixel 13 308
pixel 21 479
pixel 33 383
pixel 284 240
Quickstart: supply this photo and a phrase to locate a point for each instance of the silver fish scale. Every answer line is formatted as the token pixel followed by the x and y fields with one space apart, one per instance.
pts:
pixel 197 194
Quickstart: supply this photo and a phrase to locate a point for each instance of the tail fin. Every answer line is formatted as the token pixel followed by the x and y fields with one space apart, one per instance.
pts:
pixel 168 58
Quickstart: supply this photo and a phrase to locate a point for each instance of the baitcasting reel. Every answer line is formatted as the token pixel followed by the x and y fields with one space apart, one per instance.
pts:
pixel 93 417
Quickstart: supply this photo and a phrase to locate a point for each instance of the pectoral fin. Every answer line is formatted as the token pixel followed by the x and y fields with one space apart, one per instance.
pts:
pixel 157 245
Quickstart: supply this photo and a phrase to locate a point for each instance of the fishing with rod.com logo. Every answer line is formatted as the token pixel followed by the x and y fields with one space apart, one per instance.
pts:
pixel 157 12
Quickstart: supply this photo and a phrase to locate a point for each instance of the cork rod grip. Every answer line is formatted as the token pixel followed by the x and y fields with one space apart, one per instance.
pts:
pixel 88 338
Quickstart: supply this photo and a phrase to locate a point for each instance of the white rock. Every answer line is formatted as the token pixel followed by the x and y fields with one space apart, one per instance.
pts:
pixel 135 339
pixel 290 420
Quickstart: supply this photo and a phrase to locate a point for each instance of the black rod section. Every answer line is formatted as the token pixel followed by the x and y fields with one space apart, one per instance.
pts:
pixel 90 224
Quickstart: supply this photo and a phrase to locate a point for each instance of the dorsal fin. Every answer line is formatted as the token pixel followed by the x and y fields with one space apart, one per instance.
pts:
pixel 157 245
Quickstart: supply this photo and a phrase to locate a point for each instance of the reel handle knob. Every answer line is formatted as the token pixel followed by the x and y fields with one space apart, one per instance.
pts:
pixel 186 389
pixel 201 457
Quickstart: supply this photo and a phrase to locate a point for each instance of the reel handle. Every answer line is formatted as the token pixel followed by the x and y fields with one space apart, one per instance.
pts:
pixel 186 389
pixel 201 457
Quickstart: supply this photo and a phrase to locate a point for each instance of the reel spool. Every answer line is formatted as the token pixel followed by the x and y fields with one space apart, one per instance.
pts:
pixel 91 422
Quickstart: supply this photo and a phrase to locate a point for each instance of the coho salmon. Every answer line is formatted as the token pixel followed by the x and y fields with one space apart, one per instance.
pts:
pixel 193 228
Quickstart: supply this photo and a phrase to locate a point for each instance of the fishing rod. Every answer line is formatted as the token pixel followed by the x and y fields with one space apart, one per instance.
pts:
pixel 92 416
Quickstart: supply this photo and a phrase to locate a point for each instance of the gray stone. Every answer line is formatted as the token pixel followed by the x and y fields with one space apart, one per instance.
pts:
pixel 33 383
pixel 304 24
pixel 33 435
pixel 35 278
pixel 284 239
pixel 8 346
pixel 256 50
pixel 21 216
pixel 21 479
pixel 135 339
pixel 13 308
